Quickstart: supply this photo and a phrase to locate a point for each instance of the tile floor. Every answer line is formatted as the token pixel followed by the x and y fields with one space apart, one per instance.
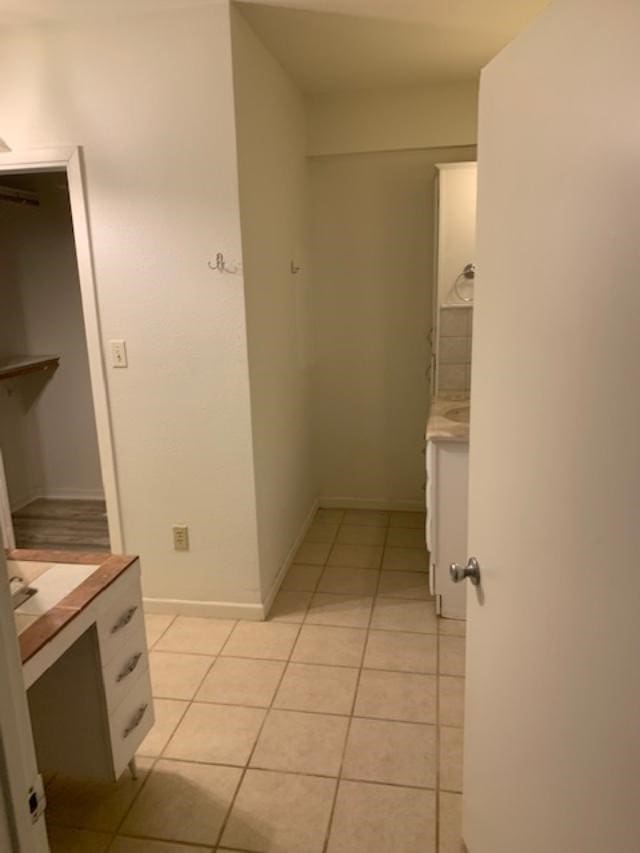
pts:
pixel 334 727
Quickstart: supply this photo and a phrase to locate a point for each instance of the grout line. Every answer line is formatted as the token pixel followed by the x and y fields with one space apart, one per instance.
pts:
pixel 301 711
pixel 255 744
pixel 196 845
pixel 355 694
pixel 162 633
pixel 133 800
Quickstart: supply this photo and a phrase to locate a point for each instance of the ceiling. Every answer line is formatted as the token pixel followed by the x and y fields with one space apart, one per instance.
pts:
pixel 345 45
pixel 358 45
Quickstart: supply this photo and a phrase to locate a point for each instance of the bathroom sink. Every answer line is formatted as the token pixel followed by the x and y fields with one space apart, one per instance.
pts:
pixel 460 414
pixel 20 591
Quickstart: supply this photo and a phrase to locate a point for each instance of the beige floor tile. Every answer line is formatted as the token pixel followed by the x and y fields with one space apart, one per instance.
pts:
pixel 301 743
pixel 356 556
pixel 266 640
pixel 397 753
pixel 406 537
pixel 401 696
pixel 175 675
pixel 99 806
pixel 407 519
pixel 349 581
pixel 450 820
pixel 324 689
pixel 155 625
pixel 361 534
pixel 404 585
pixel 168 714
pixel 405 560
pixel 302 578
pixel 369 517
pixel 321 532
pixel 280 813
pixel 451 701
pixel 401 651
pixel 290 606
pixel 183 802
pixel 62 840
pixel 329 516
pixel 327 645
pixel 451 747
pixel 143 845
pixel 403 614
pixel 452 627
pixel 452 655
pixel 196 635
pixel 241 681
pixel 313 553
pixel 343 611
pixel 383 819
pixel 219 734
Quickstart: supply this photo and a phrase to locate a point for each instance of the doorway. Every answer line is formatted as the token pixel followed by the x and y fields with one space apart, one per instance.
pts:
pixel 57 474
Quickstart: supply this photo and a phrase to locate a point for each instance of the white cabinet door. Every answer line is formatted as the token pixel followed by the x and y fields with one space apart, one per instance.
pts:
pixel 447 495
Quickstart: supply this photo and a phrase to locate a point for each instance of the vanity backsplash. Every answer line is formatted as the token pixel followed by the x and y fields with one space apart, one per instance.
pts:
pixel 454 348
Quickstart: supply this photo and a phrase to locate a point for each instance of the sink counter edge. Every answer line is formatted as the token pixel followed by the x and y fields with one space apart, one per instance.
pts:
pixel 439 427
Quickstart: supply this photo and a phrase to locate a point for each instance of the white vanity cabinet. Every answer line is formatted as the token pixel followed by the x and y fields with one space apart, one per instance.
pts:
pixel 447 497
pixel 88 684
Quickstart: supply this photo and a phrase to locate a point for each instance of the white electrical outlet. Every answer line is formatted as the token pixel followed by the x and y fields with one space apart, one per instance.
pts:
pixel 118 353
pixel 180 537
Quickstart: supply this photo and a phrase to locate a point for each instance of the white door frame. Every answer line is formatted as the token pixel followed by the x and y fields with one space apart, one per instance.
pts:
pixel 6 522
pixel 18 768
pixel 69 160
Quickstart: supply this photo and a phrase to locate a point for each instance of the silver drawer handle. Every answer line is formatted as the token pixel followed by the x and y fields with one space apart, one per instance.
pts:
pixel 131 664
pixel 136 720
pixel 124 620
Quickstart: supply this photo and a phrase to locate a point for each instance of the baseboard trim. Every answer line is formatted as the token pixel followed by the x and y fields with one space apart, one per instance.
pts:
pixel 21 503
pixel 207 609
pixel 359 503
pixel 76 495
pixel 73 495
pixel 280 576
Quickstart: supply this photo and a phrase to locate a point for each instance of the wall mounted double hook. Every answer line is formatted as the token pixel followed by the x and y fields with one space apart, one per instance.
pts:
pixel 221 266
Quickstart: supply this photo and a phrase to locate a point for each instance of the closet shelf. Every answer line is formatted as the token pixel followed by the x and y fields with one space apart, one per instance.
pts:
pixel 19 365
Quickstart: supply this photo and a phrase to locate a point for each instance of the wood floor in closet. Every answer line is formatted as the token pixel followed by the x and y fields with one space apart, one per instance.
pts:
pixel 70 525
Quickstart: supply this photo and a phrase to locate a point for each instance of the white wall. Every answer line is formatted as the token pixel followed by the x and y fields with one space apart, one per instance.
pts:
pixel 372 242
pixel 150 99
pixel 17 423
pixel 271 132
pixel 43 293
pixel 422 117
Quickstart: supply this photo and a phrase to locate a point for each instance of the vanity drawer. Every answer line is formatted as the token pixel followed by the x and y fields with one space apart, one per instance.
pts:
pixel 121 620
pixel 123 670
pixel 131 722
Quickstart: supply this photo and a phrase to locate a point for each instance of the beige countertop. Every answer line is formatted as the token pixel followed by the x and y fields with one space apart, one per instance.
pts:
pixel 442 428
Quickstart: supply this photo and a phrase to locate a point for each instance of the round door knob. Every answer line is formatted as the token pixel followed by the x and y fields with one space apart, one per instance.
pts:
pixel 458 573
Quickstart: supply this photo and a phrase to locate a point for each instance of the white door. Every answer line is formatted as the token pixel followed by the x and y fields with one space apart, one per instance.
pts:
pixel 18 772
pixel 552 752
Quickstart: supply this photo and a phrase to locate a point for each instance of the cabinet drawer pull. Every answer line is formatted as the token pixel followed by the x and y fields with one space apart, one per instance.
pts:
pixel 124 620
pixel 129 667
pixel 135 720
